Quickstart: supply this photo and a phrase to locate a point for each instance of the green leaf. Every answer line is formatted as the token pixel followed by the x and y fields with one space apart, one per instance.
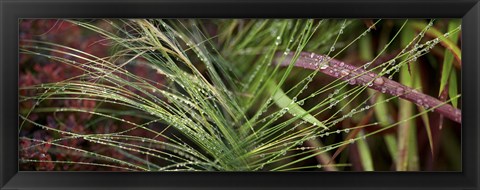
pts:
pixel 283 101
pixel 453 88
pixel 365 47
pixel 448 56
pixel 365 154
pixel 382 115
pixel 405 111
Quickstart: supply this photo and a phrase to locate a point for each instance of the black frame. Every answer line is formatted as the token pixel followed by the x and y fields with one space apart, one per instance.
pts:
pixel 12 10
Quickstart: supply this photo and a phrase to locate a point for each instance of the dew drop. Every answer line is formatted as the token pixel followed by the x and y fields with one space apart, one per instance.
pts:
pixel 300 102
pixel 419 102
pixel 344 72
pixel 278 40
pixel 352 81
pixel 378 81
pixel 309 79
pixel 366 65
pixel 323 66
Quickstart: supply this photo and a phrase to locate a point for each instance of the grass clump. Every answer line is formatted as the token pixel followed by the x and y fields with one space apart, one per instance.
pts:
pixel 239 95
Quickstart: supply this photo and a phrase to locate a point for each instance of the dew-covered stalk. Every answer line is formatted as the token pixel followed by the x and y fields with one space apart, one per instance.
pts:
pixel 359 76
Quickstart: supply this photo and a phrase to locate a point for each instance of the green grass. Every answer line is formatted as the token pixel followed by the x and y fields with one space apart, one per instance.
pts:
pixel 224 106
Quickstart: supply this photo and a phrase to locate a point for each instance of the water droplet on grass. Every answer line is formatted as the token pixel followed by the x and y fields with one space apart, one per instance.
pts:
pixel 278 40
pixel 323 66
pixel 352 81
pixel 344 72
pixel 367 65
pixel 378 81
pixel 419 102
pixel 301 102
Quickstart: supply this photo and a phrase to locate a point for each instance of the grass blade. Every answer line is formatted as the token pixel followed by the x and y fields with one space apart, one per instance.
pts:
pixel 448 56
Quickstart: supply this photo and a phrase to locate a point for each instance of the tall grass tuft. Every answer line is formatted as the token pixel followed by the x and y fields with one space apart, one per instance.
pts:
pixel 244 95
